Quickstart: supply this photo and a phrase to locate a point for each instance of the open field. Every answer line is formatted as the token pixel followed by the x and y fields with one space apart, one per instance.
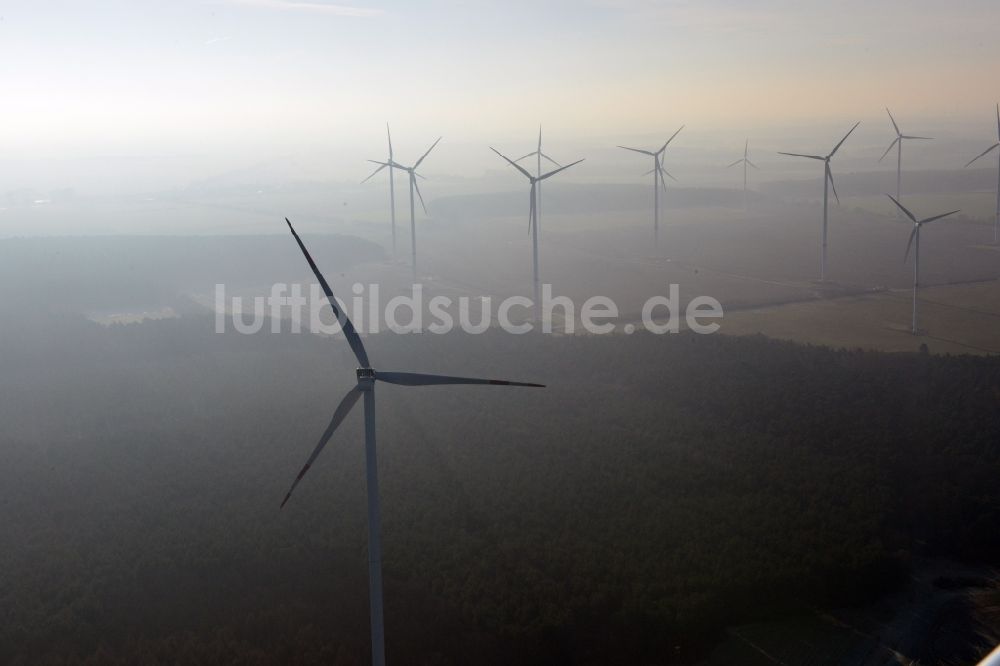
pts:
pixel 954 319
pixel 762 264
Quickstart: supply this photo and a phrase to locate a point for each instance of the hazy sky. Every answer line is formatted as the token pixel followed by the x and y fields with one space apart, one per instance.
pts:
pixel 247 79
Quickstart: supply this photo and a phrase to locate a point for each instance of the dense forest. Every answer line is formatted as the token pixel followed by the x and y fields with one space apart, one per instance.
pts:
pixel 660 489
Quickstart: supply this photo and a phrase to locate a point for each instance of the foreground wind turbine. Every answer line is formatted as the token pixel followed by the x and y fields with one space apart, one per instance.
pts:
pixel 412 172
pixel 996 216
pixel 532 218
pixel 367 376
pixel 898 142
pixel 392 186
pixel 745 161
pixel 827 184
pixel 538 154
pixel 915 240
pixel 658 171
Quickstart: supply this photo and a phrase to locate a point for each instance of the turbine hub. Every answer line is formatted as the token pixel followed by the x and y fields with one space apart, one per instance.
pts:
pixel 366 377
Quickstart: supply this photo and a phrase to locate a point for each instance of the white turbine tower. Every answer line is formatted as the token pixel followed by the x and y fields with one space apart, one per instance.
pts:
pixel 367 376
pixel 898 143
pixel 827 184
pixel 996 216
pixel 392 186
pixel 412 173
pixel 658 180
pixel 532 219
pixel 538 172
pixel 914 242
pixel 745 161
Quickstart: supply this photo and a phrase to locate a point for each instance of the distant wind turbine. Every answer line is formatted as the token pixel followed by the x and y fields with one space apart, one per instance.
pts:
pixel 914 242
pixel 533 220
pixel 898 143
pixel 827 184
pixel 658 171
pixel 996 216
pixel 392 186
pixel 538 154
pixel 745 161
pixel 367 376
pixel 412 172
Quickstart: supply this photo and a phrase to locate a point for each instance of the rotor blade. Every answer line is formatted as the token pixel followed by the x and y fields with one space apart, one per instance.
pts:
pixel 752 164
pixel 668 175
pixel 391 163
pixel 812 157
pixel 670 139
pixel 894 142
pixel 746 150
pixel 736 162
pixel 894 125
pixel 524 157
pixel 555 171
pixel 637 150
pixel 419 379
pixel 902 208
pixel 650 171
pixel 513 163
pixel 938 217
pixel 343 409
pixel 413 177
pixel 837 147
pixel 909 244
pixel 982 153
pixel 998 122
pixel 550 159
pixel 373 173
pixel 352 336
pixel 427 153
pixel 925 138
pixel 659 172
pixel 539 139
pixel 829 174
pixel 389 136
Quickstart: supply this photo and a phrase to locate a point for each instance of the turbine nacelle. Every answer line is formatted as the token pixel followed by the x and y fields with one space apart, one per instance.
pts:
pixel 411 170
pixel 366 377
pixel 534 180
pixel 917 224
pixel 899 136
pixel 826 159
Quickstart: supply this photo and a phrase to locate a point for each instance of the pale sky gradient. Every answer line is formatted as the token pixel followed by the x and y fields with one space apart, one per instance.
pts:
pixel 238 81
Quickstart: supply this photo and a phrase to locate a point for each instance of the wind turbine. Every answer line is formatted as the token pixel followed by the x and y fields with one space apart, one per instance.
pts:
pixel 367 376
pixel 745 161
pixel 657 172
pixel 915 239
pixel 533 219
pixel 996 217
pixel 827 184
pixel 538 172
pixel 898 142
pixel 392 186
pixel 412 172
